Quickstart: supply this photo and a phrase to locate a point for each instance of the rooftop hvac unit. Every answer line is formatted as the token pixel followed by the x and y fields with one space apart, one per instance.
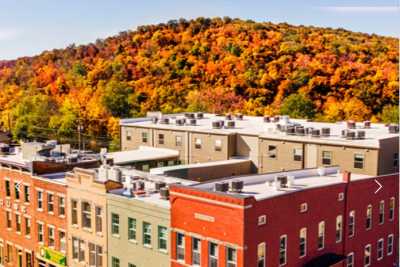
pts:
pixel 276 119
pixel 228 117
pixel 367 124
pixel 221 187
pixel 200 115
pixel 180 122
pixel 239 116
pixel 217 124
pixel 230 124
pixel 192 122
pixel 164 120
pixel 164 193
pixel 154 120
pixel 282 181
pixel 115 174
pixel 237 186
pixel 309 130
pixel 393 128
pixel 189 115
pixel 267 119
pixel 344 133
pixel 290 130
pixel 351 135
pixel 315 133
pixel 139 185
pixel 360 134
pixel 159 185
pixel 326 132
pixel 351 124
pixel 300 130
pixel 279 127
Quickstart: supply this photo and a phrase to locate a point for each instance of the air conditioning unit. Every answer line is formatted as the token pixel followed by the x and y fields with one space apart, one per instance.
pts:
pixel 192 122
pixel 276 119
pixel 180 122
pixel 159 185
pixel 281 181
pixel 237 186
pixel 351 135
pixel 351 124
pixel 360 134
pixel 309 130
pixel 199 115
pixel 290 130
pixel 326 132
pixel 217 124
pixel 228 117
pixel 154 120
pixel 315 133
pixel 393 128
pixel 300 131
pixel 239 116
pixel 230 124
pixel 267 119
pixel 189 115
pixel 367 124
pixel 164 120
pixel 164 193
pixel 221 187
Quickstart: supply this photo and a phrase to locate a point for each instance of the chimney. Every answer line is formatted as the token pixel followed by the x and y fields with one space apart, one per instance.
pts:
pixel 346 176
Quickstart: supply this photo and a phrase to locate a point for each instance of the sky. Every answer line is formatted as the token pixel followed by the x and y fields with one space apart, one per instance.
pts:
pixel 28 27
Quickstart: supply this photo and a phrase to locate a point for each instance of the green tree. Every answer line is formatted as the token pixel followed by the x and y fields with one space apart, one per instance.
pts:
pixel 298 106
pixel 65 122
pixel 390 114
pixel 116 99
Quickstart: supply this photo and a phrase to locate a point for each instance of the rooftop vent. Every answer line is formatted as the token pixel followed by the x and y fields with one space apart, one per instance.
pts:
pixel 344 133
pixel 276 119
pixel 367 124
pixel 192 122
pixel 290 130
pixel 159 185
pixel 139 185
pixel 393 128
pixel 279 127
pixel 239 116
pixel 217 124
pixel 267 119
pixel 221 187
pixel 236 186
pixel 115 174
pixel 326 132
pixel 351 124
pixel 200 115
pixel 164 193
pixel 180 122
pixel 228 117
pixel 164 120
pixel 360 134
pixel 230 124
pixel 351 135
pixel 315 133
pixel 282 181
pixel 309 130
pixel 300 130
pixel 154 120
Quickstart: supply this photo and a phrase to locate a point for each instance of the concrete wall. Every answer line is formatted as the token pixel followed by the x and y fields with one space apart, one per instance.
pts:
pixel 207 151
pixel 136 137
pixel 388 148
pixel 170 142
pixel 134 252
pixel 247 146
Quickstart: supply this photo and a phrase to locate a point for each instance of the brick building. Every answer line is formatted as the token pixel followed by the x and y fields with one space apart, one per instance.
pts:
pixel 312 217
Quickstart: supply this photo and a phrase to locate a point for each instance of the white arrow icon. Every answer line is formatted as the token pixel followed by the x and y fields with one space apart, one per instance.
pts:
pixel 379 184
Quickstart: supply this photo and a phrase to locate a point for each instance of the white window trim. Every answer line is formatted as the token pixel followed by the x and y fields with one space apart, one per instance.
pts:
pixel 391 237
pixel 377 249
pixel 283 236
pixel 352 260
pixel 370 255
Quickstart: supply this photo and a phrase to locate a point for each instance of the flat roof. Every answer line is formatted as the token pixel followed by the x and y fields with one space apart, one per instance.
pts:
pixel 252 125
pixel 143 153
pixel 263 186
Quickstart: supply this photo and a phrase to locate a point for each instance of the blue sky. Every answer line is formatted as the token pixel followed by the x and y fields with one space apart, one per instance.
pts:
pixel 28 27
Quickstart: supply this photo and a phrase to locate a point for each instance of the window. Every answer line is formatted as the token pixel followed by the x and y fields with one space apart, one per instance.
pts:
pixel 81 250
pixel 272 151
pixel 40 232
pixel 115 262
pixel 390 245
pixel 63 241
pixel 75 248
pixel 196 251
pixel 98 219
pixel 381 212
pixel 218 145
pixel 51 236
pixel 367 255
pixel 50 203
pixel 16 190
pixel 131 265
pixel 396 160
pixel 162 238
pixel 197 143
pixel 114 224
pixel 18 223
pixel 128 135
pixel 339 228
pixel 160 139
pixel 368 223
pixel 146 234
pixel 131 229
pixel 352 221
pixel 74 212
pixel 261 255
pixel 326 157
pixel 27 226
pixel 231 258
pixel 9 253
pixel 27 195
pixel 303 207
pixel 61 206
pixel 213 254
pixel 28 257
pixel 1 254
pixel 358 161
pixel 8 189
pixel 321 235
pixel 40 200
pixel 303 242
pixel 145 137
pixel 297 154
pixel 350 260
pixel 86 215
pixel 379 249
pixel 180 247
pixel 282 250
pixel 178 140
pixel 391 209
pixel 340 196
pixel 9 219
pixel 95 255
pixel 262 220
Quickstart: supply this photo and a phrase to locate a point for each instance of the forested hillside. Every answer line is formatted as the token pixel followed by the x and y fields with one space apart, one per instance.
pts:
pixel 215 65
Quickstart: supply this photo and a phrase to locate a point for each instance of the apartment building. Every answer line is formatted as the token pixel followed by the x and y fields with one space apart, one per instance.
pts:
pixel 272 143
pixel 312 217
pixel 139 220
pixel 87 218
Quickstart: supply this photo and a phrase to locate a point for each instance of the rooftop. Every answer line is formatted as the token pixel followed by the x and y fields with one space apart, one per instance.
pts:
pixel 143 153
pixel 263 186
pixel 366 134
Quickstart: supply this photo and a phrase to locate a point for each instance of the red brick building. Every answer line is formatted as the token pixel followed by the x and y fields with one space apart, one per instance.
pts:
pixel 315 217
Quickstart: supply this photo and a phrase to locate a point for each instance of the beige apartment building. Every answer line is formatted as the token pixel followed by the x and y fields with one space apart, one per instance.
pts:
pixel 139 220
pixel 87 218
pixel 272 143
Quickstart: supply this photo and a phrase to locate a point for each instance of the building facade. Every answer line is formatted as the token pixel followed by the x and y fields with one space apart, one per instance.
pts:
pixel 305 219
pixel 272 144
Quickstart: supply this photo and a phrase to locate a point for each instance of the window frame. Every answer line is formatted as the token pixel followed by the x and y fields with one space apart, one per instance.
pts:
pixel 132 231
pixel 380 249
pixel 161 139
pixel 162 238
pixel 115 219
pixel 86 215
pixel 368 219
pixel 321 235
pixel 198 143
pixel 180 247
pixel 326 157
pixel 367 256
pixel 360 160
pixel 147 234
pixel 303 242
pixel 272 151
pixel 297 156
pixel 339 229
pixel 350 264
pixel 196 252
pixel 231 262
pixel 352 223
pixel 213 259
pixel 390 245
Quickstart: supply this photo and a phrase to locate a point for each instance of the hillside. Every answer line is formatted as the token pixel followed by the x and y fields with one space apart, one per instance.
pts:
pixel 214 65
